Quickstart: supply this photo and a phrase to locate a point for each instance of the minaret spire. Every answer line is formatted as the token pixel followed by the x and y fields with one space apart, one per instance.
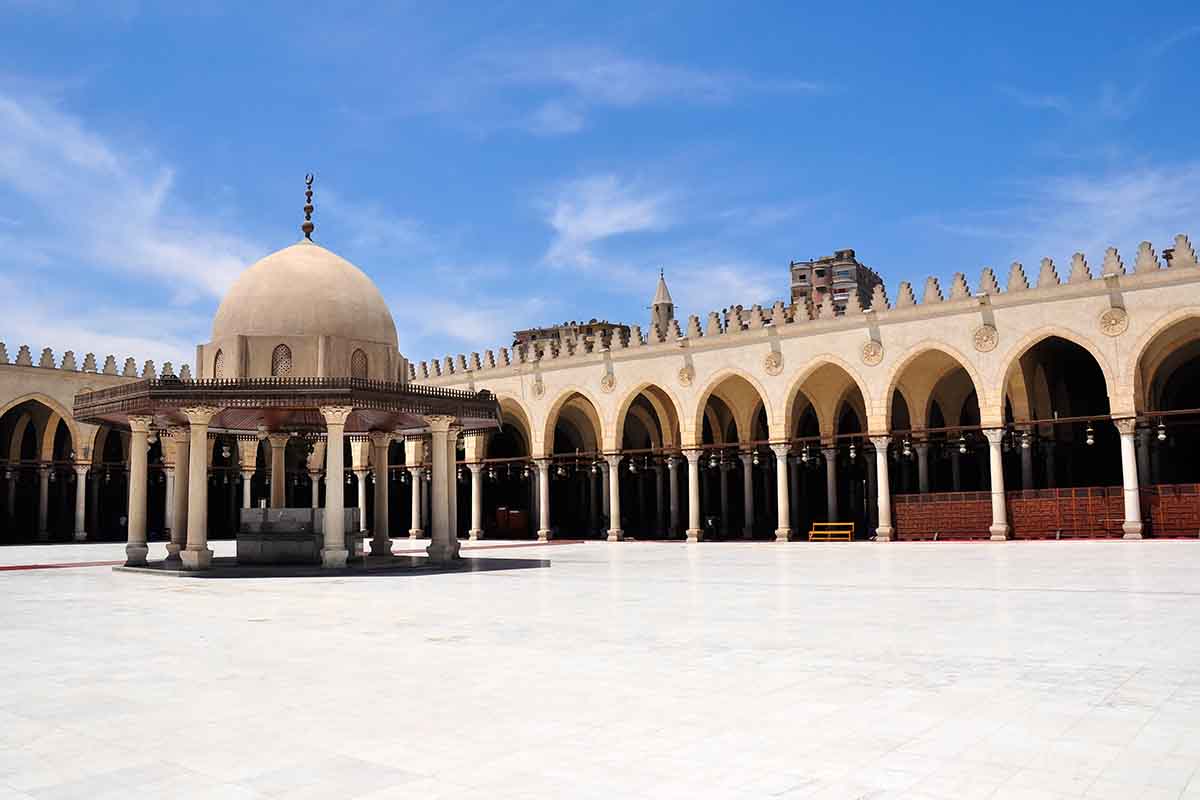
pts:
pixel 308 226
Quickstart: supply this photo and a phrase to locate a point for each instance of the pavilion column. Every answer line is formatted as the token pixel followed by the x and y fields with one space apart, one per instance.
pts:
pixel 333 553
pixel 135 547
pixel 169 500
pixel 999 527
pixel 1143 457
pixel 443 533
pixel 81 473
pixel 606 495
pixel 1132 526
pixel 416 530
pixel 196 555
pixel 181 437
pixel 660 517
pixel 673 492
pixel 426 517
pixel 831 490
pixel 748 496
pixel 922 449
pixel 278 442
pixel 783 510
pixel 43 512
pixel 1026 460
pixel 883 488
pixel 614 497
pixel 247 476
pixel 476 531
pixel 381 541
pixel 360 477
pixel 543 498
pixel 314 479
pixel 694 531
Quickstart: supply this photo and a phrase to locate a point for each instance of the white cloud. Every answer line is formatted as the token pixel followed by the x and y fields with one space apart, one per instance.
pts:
pixel 1050 102
pixel 599 207
pixel 469 325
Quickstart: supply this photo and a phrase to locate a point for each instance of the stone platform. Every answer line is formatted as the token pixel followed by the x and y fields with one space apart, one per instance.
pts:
pixel 290 535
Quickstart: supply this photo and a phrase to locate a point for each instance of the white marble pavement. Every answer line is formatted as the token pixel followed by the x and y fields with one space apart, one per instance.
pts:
pixel 1014 670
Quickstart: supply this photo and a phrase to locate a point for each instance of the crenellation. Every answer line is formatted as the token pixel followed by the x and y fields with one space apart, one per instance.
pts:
pixel 110 365
pixel 988 283
pixel 756 317
pixel 905 297
pixel 635 336
pixel 24 357
pixel 827 310
pixel 1112 263
pixel 185 373
pixel 148 370
pixel 47 359
pixel 68 361
pixel 490 359
pixel 714 324
pixel 437 368
pixel 1147 260
pixel 505 358
pixel 1080 271
pixel 1048 274
pixel 462 363
pixel 168 370
pixel 476 364
pixel 1017 280
pixel 89 362
pixel 3 353
pixel 1182 254
pixel 879 298
pixel 449 365
pixel 676 334
pixel 693 327
pixel 933 291
pixel 655 335
pixel 130 370
pixel 779 315
pixel 959 290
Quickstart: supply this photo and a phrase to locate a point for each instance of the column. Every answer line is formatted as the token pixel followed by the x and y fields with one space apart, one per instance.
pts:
pixel 794 494
pixel 426 517
pixel 1132 526
pixel 181 436
pixel 333 553
pixel 416 530
pixel 1026 460
pixel 594 495
pixel 999 527
pixel 723 484
pixel 169 500
pixel 543 484
pixel 614 497
pixel 43 533
pixel 1143 457
pixel 673 493
pixel 604 489
pixel 748 496
pixel 955 469
pixel 639 479
pixel 381 541
pixel 922 449
pixel 872 499
pixel 314 479
pixel 278 442
pixel 883 488
pixel 660 517
pixel 360 476
pixel 11 505
pixel 247 476
pixel 783 510
pixel 135 547
pixel 1048 455
pixel 443 544
pixel 196 554
pixel 694 531
pixel 831 493
pixel 476 532
pixel 81 473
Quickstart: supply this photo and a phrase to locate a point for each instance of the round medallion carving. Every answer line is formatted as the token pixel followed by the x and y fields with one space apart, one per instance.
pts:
pixel 539 388
pixel 1114 322
pixel 986 338
pixel 686 375
pixel 872 353
pixel 773 363
pixel 607 383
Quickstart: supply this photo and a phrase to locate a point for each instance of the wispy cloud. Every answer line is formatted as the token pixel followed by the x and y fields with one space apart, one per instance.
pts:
pixel 590 210
pixel 1049 102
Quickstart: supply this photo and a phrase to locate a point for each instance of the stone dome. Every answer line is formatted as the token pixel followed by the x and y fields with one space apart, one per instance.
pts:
pixel 305 290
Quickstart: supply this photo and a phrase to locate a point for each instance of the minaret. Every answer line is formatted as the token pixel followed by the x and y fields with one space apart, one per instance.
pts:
pixel 662 310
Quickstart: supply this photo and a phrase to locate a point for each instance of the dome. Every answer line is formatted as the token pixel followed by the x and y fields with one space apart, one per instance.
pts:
pixel 305 290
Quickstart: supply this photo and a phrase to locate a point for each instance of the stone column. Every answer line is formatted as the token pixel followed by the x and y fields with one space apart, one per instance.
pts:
pixel 247 476
pixel 883 531
pixel 723 493
pixel 955 469
pixel 360 475
pixel 795 496
pixel 1143 457
pixel 135 548
pixel 694 531
pixel 476 531
pixel 660 516
pixel 999 527
pixel 783 511
pixel 872 499
pixel 314 479
pixel 831 493
pixel 673 492
pixel 43 514
pixel 1051 472
pixel 181 437
pixel 1132 526
pixel 443 545
pixel 11 502
pixel 614 497
pixel 169 500
pixel 605 492
pixel 416 530
pixel 1026 461
pixel 278 442
pixel 426 517
pixel 381 541
pixel 748 496
pixel 922 449
pixel 334 552
pixel 543 485
pixel 81 473
pixel 594 501
pixel 196 554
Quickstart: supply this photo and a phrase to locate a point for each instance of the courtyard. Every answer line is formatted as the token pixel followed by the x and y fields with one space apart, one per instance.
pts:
pixel 741 670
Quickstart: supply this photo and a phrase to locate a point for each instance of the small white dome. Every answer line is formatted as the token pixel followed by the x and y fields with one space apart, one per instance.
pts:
pixel 305 290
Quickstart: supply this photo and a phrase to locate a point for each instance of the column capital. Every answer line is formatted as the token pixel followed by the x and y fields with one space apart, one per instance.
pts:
pixel 475 466
pixel 994 435
pixel 781 450
pixel 881 441
pixel 178 434
pixel 415 471
pixel 613 459
pixel 335 415
pixel 247 474
pixel 199 415
pixel 747 459
pixel 140 423
pixel 278 439
pixel 921 447
pixel 82 469
pixel 361 472
pixel 692 456
pixel 440 422
pixel 44 469
pixel 830 450
pixel 1125 426
pixel 380 438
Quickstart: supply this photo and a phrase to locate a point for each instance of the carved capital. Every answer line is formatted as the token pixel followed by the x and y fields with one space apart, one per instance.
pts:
pixel 994 436
pixel 475 468
pixel 139 423
pixel 82 470
pixel 178 434
pixel 1125 427
pixel 278 440
pixel 380 438
pixel 439 423
pixel 199 415
pixel 881 442
pixel 692 456
pixel 614 461
pixel 335 415
pixel 747 459
pixel 781 450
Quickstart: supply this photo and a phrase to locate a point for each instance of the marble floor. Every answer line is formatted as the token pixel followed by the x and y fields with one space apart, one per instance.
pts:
pixel 625 670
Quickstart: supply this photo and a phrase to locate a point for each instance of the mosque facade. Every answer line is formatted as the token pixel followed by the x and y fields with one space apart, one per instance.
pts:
pixel 1065 404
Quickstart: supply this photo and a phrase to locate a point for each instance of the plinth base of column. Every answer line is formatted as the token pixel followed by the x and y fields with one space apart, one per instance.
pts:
pixel 747 533
pixel 81 536
pixel 884 533
pixel 415 533
pixel 441 552
pixel 381 547
pixel 544 535
pixel 173 553
pixel 43 536
pixel 334 557
pixel 781 534
pixel 614 535
pixel 999 533
pixel 197 558
pixel 1133 530
pixel 135 555
pixel 474 535
pixel 693 534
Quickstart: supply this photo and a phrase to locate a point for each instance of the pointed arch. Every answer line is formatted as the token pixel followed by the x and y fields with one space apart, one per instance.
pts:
pixel 1012 359
pixel 920 371
pixel 1162 342
pixel 666 406
pixel 578 403
pixel 824 384
pixel 54 407
pixel 739 390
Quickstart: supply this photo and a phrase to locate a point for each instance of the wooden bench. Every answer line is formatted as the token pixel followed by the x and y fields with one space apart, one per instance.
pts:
pixel 831 532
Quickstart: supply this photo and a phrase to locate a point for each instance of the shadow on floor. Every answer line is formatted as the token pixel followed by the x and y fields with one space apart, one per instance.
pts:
pixel 363 568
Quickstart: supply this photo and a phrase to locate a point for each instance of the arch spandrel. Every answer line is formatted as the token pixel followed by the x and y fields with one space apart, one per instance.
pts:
pixel 737 401
pixel 1012 358
pixel 920 386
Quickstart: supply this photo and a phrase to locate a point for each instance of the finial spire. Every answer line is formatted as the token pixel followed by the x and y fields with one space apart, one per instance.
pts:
pixel 308 226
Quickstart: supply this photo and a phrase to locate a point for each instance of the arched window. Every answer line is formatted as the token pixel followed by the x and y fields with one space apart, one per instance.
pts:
pixel 358 364
pixel 281 361
pixel 219 365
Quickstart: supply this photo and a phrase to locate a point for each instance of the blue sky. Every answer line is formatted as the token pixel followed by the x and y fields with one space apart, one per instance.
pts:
pixel 501 165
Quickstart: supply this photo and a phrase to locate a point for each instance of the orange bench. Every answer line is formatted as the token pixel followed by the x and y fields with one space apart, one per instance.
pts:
pixel 831 532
